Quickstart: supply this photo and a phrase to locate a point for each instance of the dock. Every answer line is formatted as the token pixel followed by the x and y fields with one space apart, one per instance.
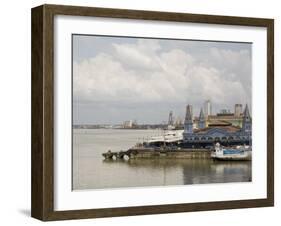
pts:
pixel 138 153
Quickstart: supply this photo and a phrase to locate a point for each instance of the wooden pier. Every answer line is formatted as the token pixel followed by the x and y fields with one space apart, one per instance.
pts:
pixel 137 153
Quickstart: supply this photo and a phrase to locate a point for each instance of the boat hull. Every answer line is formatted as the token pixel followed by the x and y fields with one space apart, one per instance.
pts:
pixel 239 154
pixel 247 156
pixel 232 158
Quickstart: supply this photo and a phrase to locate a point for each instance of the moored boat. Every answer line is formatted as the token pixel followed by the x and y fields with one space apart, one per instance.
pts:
pixel 170 137
pixel 232 153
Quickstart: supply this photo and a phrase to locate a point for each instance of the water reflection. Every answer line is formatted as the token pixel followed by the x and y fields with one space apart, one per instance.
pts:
pixel 194 171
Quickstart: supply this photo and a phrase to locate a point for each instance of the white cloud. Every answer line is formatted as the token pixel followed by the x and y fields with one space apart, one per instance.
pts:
pixel 143 72
pixel 141 56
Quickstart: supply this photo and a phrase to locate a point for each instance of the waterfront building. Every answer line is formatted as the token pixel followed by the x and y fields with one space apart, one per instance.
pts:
pixel 237 110
pixel 178 123
pixel 188 122
pixel 225 111
pixel 216 130
pixel 128 124
pixel 235 118
pixel 214 119
pixel 171 119
pixel 207 108
pixel 201 121
pixel 247 121
pixel 227 117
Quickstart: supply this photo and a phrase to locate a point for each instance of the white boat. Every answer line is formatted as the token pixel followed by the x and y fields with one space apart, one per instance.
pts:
pixel 170 136
pixel 232 153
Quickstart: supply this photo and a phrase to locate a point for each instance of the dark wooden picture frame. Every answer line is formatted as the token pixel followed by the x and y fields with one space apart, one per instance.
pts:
pixel 42 203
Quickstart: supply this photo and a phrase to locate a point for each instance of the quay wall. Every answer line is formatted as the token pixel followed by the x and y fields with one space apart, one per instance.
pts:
pixel 180 154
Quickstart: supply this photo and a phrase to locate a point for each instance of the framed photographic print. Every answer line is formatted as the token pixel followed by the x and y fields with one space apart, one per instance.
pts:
pixel 141 112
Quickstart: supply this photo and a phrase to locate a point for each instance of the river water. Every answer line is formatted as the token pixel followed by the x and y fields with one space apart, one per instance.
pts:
pixel 91 171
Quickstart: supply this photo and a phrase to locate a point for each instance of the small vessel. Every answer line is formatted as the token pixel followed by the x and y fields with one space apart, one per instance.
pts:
pixel 232 153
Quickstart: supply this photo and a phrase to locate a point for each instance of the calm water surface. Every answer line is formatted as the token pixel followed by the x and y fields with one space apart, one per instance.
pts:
pixel 91 171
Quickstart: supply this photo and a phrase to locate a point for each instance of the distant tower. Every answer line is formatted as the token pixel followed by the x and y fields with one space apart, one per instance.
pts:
pixel 202 122
pixel 178 122
pixel 237 110
pixel 171 120
pixel 207 108
pixel 188 122
pixel 247 121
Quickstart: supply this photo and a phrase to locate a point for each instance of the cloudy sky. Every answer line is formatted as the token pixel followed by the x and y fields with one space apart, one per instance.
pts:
pixel 118 78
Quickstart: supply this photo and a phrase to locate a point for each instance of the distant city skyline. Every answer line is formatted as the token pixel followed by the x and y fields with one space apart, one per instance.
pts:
pixel 116 79
pixel 176 117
